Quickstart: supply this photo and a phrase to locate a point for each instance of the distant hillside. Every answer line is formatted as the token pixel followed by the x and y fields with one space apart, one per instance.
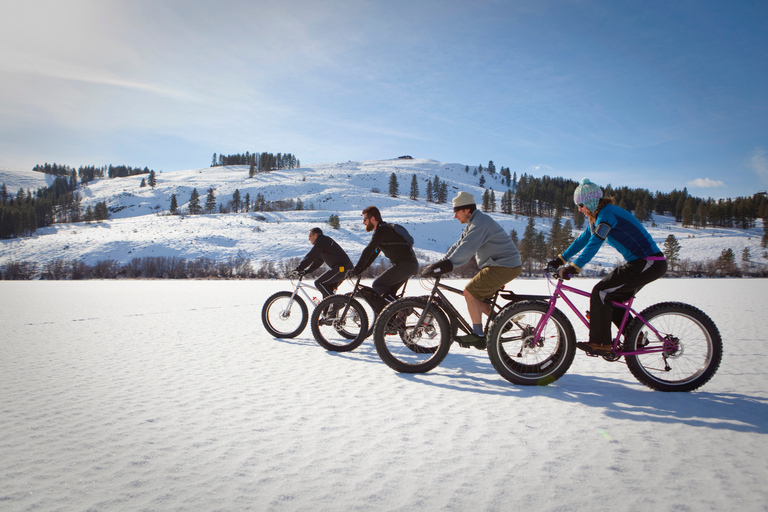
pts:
pixel 140 225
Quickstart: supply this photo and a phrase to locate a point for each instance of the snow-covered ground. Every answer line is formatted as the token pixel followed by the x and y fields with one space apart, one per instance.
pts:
pixel 170 395
pixel 140 226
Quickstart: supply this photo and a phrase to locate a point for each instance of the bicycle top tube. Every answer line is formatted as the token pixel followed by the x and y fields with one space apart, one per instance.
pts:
pixel 561 287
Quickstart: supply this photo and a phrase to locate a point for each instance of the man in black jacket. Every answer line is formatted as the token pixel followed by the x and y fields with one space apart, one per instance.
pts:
pixel 387 240
pixel 325 250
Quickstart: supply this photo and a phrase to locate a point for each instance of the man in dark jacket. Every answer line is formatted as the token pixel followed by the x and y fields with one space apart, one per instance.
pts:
pixel 387 240
pixel 325 250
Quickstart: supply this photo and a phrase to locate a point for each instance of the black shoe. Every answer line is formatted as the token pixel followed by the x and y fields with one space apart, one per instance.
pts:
pixel 471 340
pixel 397 323
pixel 595 349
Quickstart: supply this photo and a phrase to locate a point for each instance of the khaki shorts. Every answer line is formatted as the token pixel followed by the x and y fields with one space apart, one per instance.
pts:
pixel 490 279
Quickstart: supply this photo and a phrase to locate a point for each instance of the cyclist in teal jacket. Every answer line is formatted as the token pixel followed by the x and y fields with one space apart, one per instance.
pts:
pixel 644 261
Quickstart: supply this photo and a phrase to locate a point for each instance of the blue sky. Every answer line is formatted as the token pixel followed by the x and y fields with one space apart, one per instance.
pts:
pixel 654 94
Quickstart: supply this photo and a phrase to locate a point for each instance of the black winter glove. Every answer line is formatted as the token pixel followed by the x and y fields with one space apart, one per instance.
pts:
pixel 296 273
pixel 437 269
pixel 352 274
pixel 555 263
pixel 567 272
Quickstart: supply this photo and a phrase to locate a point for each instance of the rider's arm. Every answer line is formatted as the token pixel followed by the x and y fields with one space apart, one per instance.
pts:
pixel 598 234
pixel 311 258
pixel 466 247
pixel 368 255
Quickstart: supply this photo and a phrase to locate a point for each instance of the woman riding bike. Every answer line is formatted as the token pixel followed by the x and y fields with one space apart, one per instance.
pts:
pixel 644 261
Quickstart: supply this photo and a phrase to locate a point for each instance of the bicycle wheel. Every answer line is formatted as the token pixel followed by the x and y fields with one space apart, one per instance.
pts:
pixel 369 310
pixel 522 359
pixel 407 346
pixel 695 356
pixel 335 332
pixel 283 317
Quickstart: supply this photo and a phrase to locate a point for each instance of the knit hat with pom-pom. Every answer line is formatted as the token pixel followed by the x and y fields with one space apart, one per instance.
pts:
pixel 588 194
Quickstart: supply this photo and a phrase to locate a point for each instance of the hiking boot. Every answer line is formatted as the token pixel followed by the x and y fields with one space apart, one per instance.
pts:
pixel 595 349
pixel 471 340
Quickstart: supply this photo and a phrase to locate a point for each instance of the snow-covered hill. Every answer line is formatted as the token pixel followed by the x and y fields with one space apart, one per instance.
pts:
pixel 141 226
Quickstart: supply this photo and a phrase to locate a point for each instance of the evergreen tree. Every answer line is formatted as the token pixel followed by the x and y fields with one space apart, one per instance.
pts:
pixel 578 219
pixel 194 202
pixel 334 221
pixel 100 212
pixel 492 201
pixel 482 180
pixel 210 201
pixel 442 195
pixel 555 237
pixel 764 240
pixel 152 180
pixel 513 236
pixel 672 251
pixel 237 203
pixel 566 236
pixel 640 211
pixel 214 161
pixel 686 214
pixel 414 188
pixel 430 197
pixel 143 183
pixel 247 202
pixel 393 186
pixel 174 205
pixel 491 167
pixel 486 201
pixel 527 244
pixel 252 168
pixel 746 254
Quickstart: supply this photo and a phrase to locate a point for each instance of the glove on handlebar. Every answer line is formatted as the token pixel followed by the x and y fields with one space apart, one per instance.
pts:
pixel 555 263
pixel 437 269
pixel 567 272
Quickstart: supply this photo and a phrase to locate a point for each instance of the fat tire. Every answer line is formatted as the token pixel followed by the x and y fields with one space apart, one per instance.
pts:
pixel 524 364
pixel 271 316
pixel 692 365
pixel 343 340
pixel 399 351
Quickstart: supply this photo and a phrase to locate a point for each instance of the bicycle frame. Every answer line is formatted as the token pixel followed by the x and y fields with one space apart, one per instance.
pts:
pixel 303 289
pixel 560 293
pixel 445 304
pixel 357 287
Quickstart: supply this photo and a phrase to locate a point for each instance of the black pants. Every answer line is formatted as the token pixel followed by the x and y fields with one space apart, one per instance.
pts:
pixel 621 284
pixel 329 281
pixel 391 279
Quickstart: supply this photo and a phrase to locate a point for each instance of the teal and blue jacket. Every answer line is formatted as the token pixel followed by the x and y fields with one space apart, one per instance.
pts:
pixel 620 229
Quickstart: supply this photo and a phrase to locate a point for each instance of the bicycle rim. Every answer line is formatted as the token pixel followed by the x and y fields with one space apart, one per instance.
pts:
pixel 407 345
pixel 284 317
pixel 694 348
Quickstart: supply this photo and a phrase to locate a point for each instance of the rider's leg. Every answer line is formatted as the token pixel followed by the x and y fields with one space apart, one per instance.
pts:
pixel 391 279
pixel 328 282
pixel 621 284
pixel 483 286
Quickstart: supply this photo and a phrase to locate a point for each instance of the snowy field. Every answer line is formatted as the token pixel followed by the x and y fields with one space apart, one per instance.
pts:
pixel 170 395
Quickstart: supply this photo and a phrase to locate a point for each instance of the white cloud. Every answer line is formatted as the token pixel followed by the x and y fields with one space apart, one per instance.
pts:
pixel 705 183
